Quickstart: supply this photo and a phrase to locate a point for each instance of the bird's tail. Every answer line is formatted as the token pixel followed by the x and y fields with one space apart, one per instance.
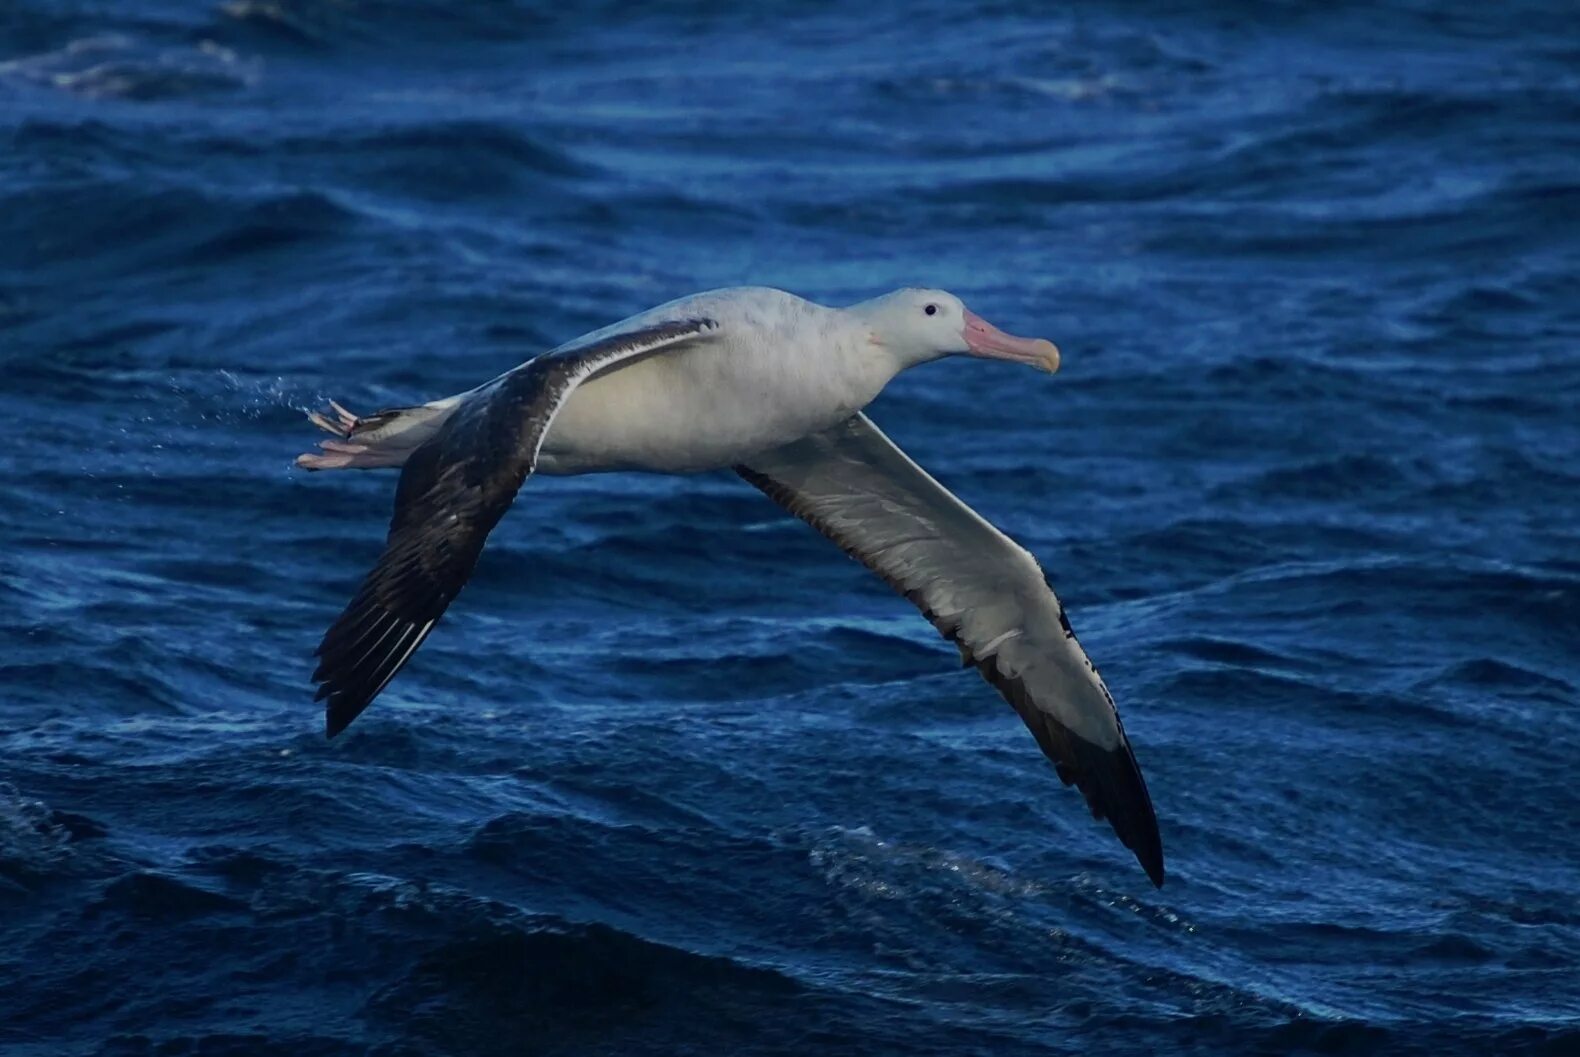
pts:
pixel 384 438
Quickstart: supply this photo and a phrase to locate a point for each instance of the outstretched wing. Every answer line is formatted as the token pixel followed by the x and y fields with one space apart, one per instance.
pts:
pixel 453 490
pixel 981 590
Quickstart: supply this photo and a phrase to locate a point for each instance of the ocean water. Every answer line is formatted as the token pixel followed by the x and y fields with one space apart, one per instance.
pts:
pixel 674 776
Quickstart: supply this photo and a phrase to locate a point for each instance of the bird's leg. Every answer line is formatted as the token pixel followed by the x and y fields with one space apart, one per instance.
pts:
pixel 344 421
pixel 337 453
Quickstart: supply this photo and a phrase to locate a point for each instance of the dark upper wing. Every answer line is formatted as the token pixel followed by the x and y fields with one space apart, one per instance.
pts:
pixel 453 490
pixel 980 589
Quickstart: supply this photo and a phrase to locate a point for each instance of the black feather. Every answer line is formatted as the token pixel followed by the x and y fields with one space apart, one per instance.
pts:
pixel 453 490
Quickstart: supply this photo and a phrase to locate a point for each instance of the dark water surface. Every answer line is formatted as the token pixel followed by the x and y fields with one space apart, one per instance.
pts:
pixel 674 776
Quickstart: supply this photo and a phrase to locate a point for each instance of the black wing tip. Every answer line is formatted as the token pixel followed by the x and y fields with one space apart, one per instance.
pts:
pixel 1108 778
pixel 1149 853
pixel 1141 836
pixel 341 706
pixel 1111 781
pixel 359 655
pixel 345 700
pixel 1154 869
pixel 338 716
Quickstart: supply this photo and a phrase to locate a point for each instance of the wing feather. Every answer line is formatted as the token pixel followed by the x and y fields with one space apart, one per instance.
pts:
pixel 982 591
pixel 453 490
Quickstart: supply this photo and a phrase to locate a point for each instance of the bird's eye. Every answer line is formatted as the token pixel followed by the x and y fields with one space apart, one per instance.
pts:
pixel 931 310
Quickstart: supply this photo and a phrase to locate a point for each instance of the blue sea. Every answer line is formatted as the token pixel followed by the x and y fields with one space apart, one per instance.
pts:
pixel 674 776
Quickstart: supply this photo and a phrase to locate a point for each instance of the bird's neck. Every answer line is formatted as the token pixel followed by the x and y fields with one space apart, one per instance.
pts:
pixel 861 364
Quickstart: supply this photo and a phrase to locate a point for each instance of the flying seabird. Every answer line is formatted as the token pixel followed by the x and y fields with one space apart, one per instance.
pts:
pixel 772 386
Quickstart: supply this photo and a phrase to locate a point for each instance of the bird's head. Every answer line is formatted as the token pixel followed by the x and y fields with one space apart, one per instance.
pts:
pixel 918 325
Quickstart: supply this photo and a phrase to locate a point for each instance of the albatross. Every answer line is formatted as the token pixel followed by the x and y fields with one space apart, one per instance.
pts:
pixel 772 386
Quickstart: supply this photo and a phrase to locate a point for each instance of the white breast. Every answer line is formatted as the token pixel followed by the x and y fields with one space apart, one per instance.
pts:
pixel 779 369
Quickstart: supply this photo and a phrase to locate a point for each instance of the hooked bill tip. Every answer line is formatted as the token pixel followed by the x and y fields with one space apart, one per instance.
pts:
pixel 1050 354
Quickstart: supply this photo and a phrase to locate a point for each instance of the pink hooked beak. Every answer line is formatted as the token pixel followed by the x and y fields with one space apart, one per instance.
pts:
pixel 984 339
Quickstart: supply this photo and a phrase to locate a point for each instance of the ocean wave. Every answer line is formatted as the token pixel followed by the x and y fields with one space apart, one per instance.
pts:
pixel 1348 477
pixel 40 845
pixel 303 23
pixel 577 986
pixel 147 895
pixel 1492 673
pixel 117 67
pixel 168 227
pixel 1470 223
